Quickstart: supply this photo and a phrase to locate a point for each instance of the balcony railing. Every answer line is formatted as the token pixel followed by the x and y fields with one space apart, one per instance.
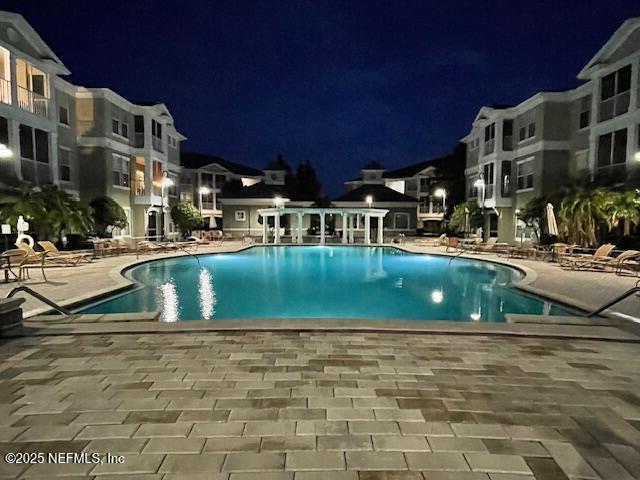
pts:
pixel 156 143
pixel 5 90
pixel 33 102
pixel 35 172
pixel 138 140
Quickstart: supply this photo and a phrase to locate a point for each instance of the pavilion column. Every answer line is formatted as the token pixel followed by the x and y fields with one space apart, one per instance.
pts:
pixel 322 228
pixel 344 228
pixel 367 228
pixel 299 228
pixel 380 229
pixel 351 225
pixel 265 226
pixel 276 224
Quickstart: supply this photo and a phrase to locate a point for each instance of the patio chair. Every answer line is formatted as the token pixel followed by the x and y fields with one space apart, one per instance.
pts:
pixel 454 244
pixel 628 260
pixel 67 258
pixel 586 262
pixel 11 259
pixel 32 259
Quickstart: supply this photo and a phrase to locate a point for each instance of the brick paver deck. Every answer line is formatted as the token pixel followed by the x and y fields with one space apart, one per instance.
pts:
pixel 307 406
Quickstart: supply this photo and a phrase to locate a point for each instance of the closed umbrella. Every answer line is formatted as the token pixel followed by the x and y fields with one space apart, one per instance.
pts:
pixel 552 225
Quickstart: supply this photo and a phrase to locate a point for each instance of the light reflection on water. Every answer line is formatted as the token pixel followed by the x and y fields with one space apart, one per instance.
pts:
pixel 207 294
pixel 169 300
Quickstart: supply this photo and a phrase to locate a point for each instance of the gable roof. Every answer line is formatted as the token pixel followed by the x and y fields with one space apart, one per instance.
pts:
pixel 261 190
pixel 410 170
pixel 380 194
pixel 199 160
pixel 614 42
pixel 29 33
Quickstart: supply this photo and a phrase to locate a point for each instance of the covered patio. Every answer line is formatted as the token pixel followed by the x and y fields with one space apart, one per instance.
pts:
pixel 347 214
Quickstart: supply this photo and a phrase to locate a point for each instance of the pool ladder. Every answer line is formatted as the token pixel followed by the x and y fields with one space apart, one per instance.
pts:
pixel 619 298
pixel 40 297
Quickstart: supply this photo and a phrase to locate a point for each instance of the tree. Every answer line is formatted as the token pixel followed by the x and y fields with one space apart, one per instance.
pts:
pixel 307 180
pixel 186 217
pixel 533 214
pixel 49 211
pixel 466 212
pixel 107 213
pixel 581 211
pixel 623 206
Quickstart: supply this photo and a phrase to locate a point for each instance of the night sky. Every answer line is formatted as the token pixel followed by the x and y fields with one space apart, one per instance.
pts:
pixel 336 83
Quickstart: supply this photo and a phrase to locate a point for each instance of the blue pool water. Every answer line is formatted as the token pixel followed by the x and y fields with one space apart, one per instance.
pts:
pixel 327 281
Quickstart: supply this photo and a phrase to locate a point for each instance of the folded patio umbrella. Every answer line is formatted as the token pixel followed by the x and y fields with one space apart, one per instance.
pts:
pixel 552 225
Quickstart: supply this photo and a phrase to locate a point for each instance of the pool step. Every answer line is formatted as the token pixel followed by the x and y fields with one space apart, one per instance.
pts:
pixel 94 318
pixel 558 319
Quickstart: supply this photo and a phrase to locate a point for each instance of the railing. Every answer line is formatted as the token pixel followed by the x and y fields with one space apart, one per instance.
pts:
pixel 156 143
pixel 33 102
pixel 138 140
pixel 5 90
pixel 40 297
pixel 435 208
pixel 619 298
pixel 489 146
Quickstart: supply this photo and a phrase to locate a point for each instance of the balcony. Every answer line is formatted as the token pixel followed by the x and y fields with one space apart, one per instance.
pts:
pixel 5 91
pixel 33 102
pixel 138 140
pixel 431 211
pixel 156 143
pixel 35 172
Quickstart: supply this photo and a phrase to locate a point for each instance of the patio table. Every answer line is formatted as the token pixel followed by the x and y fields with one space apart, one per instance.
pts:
pixel 5 265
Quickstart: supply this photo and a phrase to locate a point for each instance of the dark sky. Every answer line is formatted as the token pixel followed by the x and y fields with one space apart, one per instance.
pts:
pixel 336 83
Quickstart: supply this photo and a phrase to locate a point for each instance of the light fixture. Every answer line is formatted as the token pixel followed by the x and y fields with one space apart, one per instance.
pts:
pixel 5 152
pixel 475 316
pixel 369 200
pixel 637 157
pixel 478 183
pixel 437 296
pixel 440 192
pixel 168 182
pixel 276 200
pixel 204 190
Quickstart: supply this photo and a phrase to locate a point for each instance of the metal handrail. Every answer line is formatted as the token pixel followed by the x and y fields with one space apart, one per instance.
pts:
pixel 40 297
pixel 619 298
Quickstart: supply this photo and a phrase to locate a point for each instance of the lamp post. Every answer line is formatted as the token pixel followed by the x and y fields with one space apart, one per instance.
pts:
pixel 442 193
pixel 166 183
pixel 479 184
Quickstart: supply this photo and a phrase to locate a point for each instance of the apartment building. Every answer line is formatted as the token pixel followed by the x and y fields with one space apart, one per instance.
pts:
pixel 203 179
pixel 515 153
pixel 88 141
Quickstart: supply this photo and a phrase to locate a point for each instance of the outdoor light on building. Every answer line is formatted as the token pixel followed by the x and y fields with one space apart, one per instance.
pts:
pixel 479 183
pixel 5 152
pixel 369 200
pixel 204 191
pixel 277 200
pixel 636 156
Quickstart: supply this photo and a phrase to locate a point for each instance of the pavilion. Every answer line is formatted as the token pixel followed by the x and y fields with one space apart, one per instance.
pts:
pixel 348 215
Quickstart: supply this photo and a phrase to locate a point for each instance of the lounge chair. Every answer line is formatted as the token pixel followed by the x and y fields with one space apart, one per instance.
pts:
pixel 628 260
pixel 585 262
pixel 432 242
pixel 68 258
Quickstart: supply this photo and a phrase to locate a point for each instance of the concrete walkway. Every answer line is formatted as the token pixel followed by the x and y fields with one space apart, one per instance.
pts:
pixel 316 406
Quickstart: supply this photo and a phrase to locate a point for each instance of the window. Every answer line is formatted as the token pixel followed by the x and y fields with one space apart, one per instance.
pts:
pixel 63 114
pixel 401 221
pixel 120 167
pixel 156 129
pixel 525 174
pixel 522 134
pixel 489 136
pixel 505 185
pixel 138 128
pixel 241 215
pixel 42 145
pixel 614 93
pixel 487 172
pixel 612 148
pixel 115 126
pixel 64 164
pixel 140 185
pixel 124 130
pixel 531 130
pixel 585 112
pixel 507 135
pixel 26 142
pixel 472 190
pixel 156 177
pixel 4 132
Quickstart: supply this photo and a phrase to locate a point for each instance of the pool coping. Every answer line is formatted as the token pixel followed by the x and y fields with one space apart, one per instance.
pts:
pixel 123 283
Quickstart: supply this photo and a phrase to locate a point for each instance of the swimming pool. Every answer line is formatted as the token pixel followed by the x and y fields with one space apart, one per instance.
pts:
pixel 325 282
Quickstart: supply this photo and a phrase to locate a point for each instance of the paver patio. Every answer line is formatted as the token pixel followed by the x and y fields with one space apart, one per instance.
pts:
pixel 306 406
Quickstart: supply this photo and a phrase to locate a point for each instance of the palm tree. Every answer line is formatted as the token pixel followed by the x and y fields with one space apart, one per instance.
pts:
pixel 581 211
pixel 21 201
pixel 63 213
pixel 623 206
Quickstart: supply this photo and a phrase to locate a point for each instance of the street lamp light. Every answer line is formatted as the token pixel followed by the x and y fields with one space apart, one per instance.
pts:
pixel 166 183
pixel 479 184
pixel 202 191
pixel 5 152
pixel 442 193
pixel 369 200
